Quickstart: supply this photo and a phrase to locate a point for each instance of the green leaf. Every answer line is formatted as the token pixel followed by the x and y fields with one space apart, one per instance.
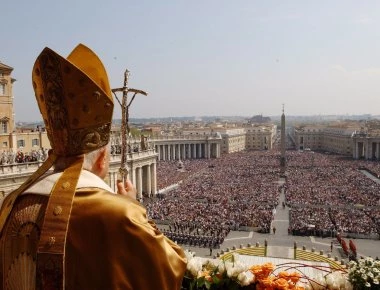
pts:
pixel 201 282
pixel 216 280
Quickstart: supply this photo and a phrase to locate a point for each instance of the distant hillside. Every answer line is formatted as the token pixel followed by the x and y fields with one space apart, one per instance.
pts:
pixel 289 119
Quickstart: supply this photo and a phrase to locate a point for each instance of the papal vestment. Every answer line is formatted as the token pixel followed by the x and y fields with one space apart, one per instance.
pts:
pixel 110 242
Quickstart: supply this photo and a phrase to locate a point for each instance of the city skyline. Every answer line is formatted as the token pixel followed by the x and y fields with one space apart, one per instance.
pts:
pixel 209 58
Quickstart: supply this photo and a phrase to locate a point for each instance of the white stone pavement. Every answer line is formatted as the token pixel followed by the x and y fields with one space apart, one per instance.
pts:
pixel 281 224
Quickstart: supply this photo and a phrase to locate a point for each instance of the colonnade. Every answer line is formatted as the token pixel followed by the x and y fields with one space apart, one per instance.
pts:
pixel 182 151
pixel 143 178
pixel 141 165
pixel 367 148
pixel 142 171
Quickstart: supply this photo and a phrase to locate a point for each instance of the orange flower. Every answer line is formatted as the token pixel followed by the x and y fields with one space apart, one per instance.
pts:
pixel 257 271
pixel 281 283
pixel 267 268
pixel 294 277
pixel 261 287
pixel 283 274
pixel 267 282
pixel 206 275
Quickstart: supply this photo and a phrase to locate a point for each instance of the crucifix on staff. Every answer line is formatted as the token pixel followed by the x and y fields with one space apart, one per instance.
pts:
pixel 125 130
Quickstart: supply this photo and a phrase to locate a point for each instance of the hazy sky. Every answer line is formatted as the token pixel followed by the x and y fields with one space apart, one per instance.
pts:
pixel 209 57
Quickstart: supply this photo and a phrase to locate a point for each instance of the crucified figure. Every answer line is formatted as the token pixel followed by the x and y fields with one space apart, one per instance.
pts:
pixel 125 130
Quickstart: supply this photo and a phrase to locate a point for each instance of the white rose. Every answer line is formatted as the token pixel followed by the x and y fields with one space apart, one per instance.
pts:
pixel 215 263
pixel 303 285
pixel 189 255
pixel 308 287
pixel 194 266
pixel 245 278
pixel 228 265
pixel 340 278
pixel 332 282
pixel 318 282
pixel 234 269
pixel 347 285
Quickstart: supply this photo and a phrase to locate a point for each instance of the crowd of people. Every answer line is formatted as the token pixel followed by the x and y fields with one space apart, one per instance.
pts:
pixel 215 196
pixel 172 172
pixel 11 157
pixel 330 194
pixel 327 194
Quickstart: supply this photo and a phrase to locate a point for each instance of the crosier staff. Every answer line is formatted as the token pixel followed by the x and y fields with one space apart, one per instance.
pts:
pixel 125 121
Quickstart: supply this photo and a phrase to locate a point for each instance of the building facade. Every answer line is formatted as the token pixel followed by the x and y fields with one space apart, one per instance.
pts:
pixel 260 136
pixel 187 147
pixel 366 141
pixel 7 122
pixel 361 140
pixel 323 138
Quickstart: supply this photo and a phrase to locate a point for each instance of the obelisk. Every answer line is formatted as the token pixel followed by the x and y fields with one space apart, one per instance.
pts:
pixel 282 158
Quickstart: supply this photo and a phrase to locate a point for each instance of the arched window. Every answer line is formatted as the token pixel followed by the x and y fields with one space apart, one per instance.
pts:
pixel 4 125
pixel 2 89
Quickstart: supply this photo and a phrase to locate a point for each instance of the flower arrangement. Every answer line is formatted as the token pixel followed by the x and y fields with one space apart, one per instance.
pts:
pixel 364 274
pixel 217 274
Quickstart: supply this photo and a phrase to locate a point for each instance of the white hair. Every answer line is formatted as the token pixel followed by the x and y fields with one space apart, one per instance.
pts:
pixel 89 159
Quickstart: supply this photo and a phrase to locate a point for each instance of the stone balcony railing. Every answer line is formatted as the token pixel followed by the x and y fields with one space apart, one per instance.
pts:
pixel 174 137
pixel 17 168
pixel 30 167
pixel 116 158
pixel 13 175
pixel 185 137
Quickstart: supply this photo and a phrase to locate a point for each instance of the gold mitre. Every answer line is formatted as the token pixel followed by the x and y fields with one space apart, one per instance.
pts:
pixel 76 103
pixel 75 100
